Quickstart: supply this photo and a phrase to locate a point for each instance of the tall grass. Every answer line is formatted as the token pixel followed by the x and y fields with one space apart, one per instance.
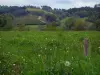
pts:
pixel 49 53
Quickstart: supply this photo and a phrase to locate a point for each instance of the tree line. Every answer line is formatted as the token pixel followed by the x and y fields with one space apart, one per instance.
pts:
pixel 9 13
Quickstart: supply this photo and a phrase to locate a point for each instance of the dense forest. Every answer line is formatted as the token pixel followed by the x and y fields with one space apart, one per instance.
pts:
pixel 84 18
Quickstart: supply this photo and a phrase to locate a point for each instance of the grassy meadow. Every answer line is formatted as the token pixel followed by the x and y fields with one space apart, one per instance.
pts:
pixel 49 53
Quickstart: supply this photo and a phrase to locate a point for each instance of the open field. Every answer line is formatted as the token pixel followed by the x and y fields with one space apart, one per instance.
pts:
pixel 49 53
pixel 35 27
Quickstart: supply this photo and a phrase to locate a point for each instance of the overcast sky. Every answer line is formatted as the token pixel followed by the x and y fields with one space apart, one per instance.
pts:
pixel 53 3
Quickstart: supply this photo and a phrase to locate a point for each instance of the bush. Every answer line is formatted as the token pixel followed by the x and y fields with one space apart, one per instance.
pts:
pixel 80 24
pixel 51 26
pixel 22 27
pixel 76 24
pixel 6 22
pixel 97 24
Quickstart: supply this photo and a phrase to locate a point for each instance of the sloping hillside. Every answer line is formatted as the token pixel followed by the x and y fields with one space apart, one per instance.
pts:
pixel 34 10
pixel 30 20
pixel 35 17
pixel 42 12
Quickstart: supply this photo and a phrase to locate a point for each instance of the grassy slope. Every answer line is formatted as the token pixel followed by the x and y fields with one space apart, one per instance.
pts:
pixel 35 27
pixel 37 10
pixel 31 19
pixel 28 19
pixel 34 10
pixel 43 53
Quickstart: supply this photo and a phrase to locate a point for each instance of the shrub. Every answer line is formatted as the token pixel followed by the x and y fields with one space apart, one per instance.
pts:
pixel 6 22
pixel 97 24
pixel 51 26
pixel 21 27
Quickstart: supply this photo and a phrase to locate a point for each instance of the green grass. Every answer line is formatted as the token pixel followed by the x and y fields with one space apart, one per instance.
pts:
pixel 49 53
pixel 37 10
pixel 28 19
pixel 35 27
pixel 34 10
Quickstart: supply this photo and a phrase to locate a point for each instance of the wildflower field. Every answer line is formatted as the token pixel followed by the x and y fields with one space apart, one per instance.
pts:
pixel 49 53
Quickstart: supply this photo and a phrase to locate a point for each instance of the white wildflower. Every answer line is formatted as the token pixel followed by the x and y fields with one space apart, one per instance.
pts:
pixel 45 48
pixel 21 72
pixel 14 64
pixel 52 40
pixel 56 47
pixel 72 69
pixel 50 49
pixel 39 55
pixel 89 58
pixel 8 52
pixel 22 57
pixel 72 57
pixel 67 51
pixel 67 63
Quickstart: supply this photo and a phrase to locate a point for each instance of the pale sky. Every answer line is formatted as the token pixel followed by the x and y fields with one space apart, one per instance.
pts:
pixel 53 3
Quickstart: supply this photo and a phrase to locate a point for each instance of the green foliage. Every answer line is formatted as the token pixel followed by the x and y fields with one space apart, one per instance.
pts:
pixel 47 8
pixel 6 22
pixel 80 24
pixel 40 11
pixel 29 15
pixel 50 17
pixel 75 23
pixel 70 23
pixel 97 24
pixel 29 20
pixel 2 21
pixel 53 26
pixel 21 27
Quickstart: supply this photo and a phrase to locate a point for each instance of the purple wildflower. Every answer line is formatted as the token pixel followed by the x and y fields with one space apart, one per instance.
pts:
pixel 85 47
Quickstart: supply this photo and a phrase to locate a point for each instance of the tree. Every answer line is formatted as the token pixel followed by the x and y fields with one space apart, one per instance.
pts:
pixel 75 24
pixel 97 24
pixel 69 23
pixel 50 17
pixel 6 21
pixel 80 24
pixel 2 21
pixel 47 8
pixel 51 26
